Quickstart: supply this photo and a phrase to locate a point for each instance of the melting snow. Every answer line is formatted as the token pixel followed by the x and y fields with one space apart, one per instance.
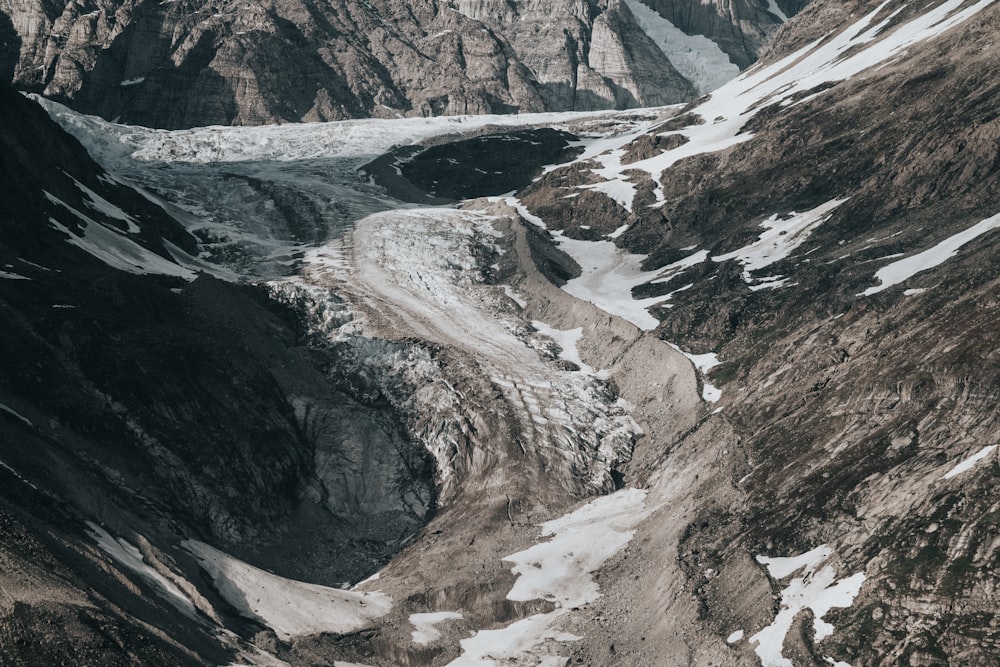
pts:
pixel 17 414
pixel 567 341
pixel 17 475
pixel 704 363
pixel 904 269
pixel 114 249
pixel 833 58
pixel 697 58
pixel 425 632
pixel 560 571
pixel 782 235
pixel 817 589
pixel 128 555
pixel 102 205
pixel 970 462
pixel 514 296
pixel 607 278
pixel 290 608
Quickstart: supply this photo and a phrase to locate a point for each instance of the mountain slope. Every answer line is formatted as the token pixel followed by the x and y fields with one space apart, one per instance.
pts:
pixel 145 402
pixel 831 248
pixel 771 352
pixel 183 64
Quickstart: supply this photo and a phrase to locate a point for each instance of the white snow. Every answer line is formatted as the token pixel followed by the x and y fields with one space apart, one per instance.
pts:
pixel 114 249
pixel 620 191
pixel 904 269
pixel 783 235
pixel 102 205
pixel 290 608
pixel 128 555
pixel 424 631
pixel 667 272
pixel 704 363
pixel 607 278
pixel 567 342
pixel 696 57
pixel 17 475
pixel 514 296
pixel 17 414
pixel 132 82
pixel 12 276
pixel 817 588
pixel 773 7
pixel 970 462
pixel 560 571
pixel 735 637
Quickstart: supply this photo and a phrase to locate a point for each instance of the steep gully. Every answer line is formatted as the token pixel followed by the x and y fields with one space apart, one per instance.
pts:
pixel 444 314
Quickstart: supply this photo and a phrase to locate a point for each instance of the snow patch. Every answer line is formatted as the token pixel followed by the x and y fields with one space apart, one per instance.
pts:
pixel 817 588
pixel 904 269
pixel 102 205
pixel 607 277
pixel 970 462
pixel 567 342
pixel 704 363
pixel 514 296
pixel 12 276
pixel 833 58
pixel 17 475
pixel 783 235
pixel 126 554
pixel 114 249
pixel 290 608
pixel 696 57
pixel 424 631
pixel 735 637
pixel 560 571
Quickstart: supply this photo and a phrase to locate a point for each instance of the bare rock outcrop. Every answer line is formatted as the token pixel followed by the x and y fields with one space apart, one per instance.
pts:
pixel 203 62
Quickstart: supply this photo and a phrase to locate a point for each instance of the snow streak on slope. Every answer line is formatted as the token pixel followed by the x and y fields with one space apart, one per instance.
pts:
pixel 834 58
pixel 559 571
pixel 817 589
pixel 969 463
pixel 782 236
pixel 904 269
pixel 115 249
pixel 290 608
pixel 128 555
pixel 697 58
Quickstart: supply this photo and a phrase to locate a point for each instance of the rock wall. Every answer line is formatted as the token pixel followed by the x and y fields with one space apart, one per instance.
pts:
pixel 203 62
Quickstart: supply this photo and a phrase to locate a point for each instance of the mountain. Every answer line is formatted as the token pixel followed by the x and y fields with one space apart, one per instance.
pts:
pixel 191 63
pixel 708 384
pixel 142 393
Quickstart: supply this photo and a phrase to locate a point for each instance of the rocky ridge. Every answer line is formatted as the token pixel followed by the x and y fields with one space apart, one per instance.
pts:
pixel 205 62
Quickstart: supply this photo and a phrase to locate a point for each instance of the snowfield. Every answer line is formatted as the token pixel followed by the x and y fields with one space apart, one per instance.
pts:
pixel 817 588
pixel 290 608
pixel 558 570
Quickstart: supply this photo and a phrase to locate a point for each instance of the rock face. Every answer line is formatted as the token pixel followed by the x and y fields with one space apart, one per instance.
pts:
pixel 199 62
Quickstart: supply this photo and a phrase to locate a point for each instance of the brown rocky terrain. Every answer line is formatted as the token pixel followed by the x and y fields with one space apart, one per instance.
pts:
pixel 201 62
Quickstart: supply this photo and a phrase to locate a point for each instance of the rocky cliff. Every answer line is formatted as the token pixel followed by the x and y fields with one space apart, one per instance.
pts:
pixel 181 64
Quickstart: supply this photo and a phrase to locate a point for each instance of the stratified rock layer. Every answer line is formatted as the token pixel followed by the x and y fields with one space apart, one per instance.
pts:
pixel 200 62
